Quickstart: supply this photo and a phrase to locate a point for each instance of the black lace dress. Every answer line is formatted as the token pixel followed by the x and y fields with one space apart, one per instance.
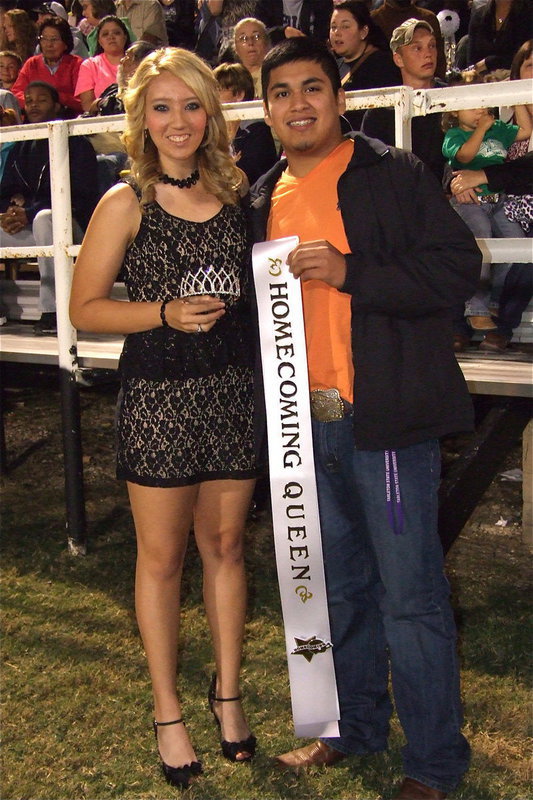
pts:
pixel 185 410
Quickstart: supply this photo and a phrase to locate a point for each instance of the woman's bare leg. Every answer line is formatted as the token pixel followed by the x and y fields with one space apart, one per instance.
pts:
pixel 163 520
pixel 219 520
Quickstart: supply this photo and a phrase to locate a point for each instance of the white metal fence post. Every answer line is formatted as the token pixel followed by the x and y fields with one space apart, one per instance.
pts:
pixel 402 118
pixel 70 402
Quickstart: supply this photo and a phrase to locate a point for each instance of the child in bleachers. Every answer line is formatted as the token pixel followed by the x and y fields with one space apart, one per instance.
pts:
pixel 474 139
pixel 10 64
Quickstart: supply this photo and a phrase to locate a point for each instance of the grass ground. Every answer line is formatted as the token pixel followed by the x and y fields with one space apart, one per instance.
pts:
pixel 76 698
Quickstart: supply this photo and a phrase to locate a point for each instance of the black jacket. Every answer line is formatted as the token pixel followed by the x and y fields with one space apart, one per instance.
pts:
pixel 255 147
pixel 513 177
pixel 412 261
pixel 27 172
pixel 498 47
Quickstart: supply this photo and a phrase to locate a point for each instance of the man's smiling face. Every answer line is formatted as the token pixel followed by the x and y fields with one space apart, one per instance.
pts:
pixel 303 109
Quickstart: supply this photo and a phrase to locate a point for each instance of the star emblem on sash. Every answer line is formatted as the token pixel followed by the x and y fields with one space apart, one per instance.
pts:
pixel 310 647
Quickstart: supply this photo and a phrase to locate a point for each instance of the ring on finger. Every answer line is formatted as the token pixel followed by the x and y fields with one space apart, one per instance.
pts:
pixel 200 329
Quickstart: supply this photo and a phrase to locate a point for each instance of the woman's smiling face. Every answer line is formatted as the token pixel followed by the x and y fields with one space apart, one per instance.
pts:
pixel 175 120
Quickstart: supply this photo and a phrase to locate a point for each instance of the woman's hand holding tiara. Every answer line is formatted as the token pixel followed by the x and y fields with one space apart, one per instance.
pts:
pixel 195 314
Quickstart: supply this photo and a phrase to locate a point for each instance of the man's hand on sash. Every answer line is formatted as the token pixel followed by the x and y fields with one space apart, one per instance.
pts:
pixel 318 260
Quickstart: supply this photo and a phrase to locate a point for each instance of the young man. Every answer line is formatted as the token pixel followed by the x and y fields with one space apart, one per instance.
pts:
pixel 394 12
pixel 25 198
pixel 414 50
pixel 383 261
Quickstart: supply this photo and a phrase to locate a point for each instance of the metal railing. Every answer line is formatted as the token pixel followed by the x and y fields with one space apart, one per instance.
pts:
pixel 407 103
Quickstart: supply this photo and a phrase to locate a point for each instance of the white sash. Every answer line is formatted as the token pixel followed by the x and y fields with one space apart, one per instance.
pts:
pixel 315 706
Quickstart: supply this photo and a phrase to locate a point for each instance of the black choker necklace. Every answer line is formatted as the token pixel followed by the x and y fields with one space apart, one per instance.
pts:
pixel 181 183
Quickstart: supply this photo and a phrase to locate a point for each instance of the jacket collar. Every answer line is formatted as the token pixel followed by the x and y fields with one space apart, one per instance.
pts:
pixel 367 151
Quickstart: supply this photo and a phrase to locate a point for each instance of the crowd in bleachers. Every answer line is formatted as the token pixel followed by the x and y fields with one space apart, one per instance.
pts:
pixel 85 51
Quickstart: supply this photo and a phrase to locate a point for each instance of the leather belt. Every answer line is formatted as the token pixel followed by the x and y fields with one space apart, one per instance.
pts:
pixel 327 405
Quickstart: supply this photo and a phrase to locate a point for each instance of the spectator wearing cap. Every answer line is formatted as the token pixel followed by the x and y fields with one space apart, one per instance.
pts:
pixel 393 12
pixel 414 51
pixel 54 65
pixel 49 11
pixel 145 18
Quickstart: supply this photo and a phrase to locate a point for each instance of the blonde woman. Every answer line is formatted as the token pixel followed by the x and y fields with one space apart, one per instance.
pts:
pixel 185 444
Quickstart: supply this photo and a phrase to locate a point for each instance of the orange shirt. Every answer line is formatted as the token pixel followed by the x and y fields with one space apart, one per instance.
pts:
pixel 308 208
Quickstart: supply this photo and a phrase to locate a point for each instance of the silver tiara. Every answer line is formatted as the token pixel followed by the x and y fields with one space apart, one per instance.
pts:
pixel 210 280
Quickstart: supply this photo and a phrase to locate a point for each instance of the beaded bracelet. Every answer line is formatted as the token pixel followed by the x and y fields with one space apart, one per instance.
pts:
pixel 162 314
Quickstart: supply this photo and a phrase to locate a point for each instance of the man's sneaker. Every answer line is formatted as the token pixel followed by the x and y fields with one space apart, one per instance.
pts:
pixel 47 325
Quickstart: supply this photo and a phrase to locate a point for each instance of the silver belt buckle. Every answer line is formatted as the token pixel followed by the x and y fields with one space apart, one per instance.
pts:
pixel 326 405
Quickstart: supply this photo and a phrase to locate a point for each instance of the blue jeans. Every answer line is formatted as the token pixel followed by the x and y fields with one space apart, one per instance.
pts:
pixel 388 601
pixel 486 221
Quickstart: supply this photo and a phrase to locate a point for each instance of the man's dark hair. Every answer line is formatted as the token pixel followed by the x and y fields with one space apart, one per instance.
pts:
pixel 62 27
pixel 299 48
pixel 54 94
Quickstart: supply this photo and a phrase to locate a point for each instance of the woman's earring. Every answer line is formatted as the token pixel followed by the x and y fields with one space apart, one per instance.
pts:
pixel 147 139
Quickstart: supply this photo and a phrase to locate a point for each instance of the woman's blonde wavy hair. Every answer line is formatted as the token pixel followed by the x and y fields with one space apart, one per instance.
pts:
pixel 218 172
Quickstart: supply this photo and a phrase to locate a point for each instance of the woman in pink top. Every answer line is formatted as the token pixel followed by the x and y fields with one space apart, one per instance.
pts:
pixel 100 71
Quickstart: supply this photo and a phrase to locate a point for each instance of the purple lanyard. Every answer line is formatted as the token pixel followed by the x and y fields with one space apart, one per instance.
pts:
pixel 394 506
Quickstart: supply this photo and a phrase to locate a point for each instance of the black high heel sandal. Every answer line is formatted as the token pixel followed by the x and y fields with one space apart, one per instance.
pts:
pixel 230 750
pixel 177 776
